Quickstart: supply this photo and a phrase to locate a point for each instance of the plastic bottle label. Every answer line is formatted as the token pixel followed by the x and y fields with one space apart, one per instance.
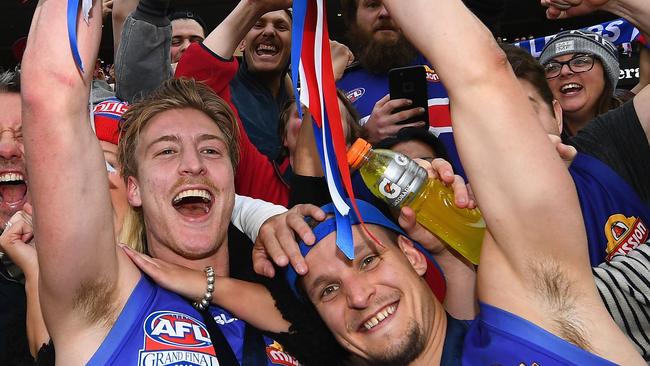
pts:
pixel 401 177
pixel 388 189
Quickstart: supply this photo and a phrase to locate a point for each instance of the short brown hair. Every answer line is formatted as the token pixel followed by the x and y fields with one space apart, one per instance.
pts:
pixel 175 94
pixel 526 67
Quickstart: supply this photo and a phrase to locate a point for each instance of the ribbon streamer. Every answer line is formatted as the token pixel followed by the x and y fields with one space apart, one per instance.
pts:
pixel 311 62
pixel 73 9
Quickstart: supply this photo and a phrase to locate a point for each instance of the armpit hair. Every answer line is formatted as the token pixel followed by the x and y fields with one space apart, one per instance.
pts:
pixel 557 294
pixel 96 301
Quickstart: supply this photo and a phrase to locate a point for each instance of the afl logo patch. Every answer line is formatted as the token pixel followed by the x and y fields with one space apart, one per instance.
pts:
pixel 176 339
pixel 355 94
pixel 176 329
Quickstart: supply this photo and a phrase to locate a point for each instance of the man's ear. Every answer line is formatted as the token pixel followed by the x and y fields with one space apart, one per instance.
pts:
pixel 133 192
pixel 415 257
pixel 557 112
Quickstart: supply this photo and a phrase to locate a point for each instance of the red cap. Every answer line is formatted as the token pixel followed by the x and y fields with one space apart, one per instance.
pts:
pixel 108 115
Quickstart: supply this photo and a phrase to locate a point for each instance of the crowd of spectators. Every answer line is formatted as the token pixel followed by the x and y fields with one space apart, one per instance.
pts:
pixel 216 244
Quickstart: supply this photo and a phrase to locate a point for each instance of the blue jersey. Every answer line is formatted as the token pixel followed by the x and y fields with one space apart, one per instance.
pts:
pixel 364 89
pixel 160 328
pixel 498 337
pixel 452 350
pixel 615 217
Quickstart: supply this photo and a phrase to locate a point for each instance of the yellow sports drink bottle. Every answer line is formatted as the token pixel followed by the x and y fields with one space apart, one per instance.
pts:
pixel 399 181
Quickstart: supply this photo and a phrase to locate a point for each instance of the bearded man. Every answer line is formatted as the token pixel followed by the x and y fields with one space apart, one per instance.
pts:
pixel 379 45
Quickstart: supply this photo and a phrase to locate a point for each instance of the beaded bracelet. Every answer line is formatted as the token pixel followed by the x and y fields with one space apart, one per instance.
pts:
pixel 207 297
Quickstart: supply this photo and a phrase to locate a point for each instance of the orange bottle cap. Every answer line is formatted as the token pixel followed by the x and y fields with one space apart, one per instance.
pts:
pixel 357 151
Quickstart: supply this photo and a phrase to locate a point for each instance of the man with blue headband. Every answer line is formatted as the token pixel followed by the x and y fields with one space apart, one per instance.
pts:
pixel 380 292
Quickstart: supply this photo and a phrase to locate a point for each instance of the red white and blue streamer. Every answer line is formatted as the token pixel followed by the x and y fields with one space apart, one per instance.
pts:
pixel 311 65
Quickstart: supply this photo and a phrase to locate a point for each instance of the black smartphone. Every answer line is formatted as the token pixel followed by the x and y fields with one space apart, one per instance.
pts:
pixel 410 83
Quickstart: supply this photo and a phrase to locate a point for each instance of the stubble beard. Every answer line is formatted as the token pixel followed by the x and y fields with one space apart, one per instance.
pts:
pixel 405 352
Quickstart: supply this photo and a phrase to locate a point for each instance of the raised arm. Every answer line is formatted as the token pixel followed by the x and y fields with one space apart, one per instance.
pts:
pixel 142 59
pixel 226 37
pixel 633 10
pixel 490 114
pixel 68 183
pixel 535 247
pixel 121 9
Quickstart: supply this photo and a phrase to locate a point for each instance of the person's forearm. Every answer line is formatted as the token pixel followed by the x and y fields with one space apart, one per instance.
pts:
pixel 253 303
pixel 143 58
pixel 121 9
pixel 226 37
pixel 55 118
pixel 250 214
pixel 436 39
pixel 635 11
pixel 305 161
pixel 37 333
pixel 460 275
pixel 490 112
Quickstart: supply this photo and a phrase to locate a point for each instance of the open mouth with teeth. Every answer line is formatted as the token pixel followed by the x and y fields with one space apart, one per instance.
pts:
pixel 266 49
pixel 12 189
pixel 379 317
pixel 570 88
pixel 193 203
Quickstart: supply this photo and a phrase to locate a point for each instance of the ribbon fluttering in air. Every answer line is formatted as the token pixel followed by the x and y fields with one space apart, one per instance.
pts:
pixel 73 9
pixel 311 64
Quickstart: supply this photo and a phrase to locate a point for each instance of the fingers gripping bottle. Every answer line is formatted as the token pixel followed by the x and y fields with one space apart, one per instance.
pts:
pixel 399 181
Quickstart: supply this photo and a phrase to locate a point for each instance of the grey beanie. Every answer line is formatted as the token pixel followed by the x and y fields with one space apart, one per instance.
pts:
pixel 578 41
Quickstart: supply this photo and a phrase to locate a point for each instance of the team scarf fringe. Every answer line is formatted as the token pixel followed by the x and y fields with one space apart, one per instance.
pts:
pixel 619 31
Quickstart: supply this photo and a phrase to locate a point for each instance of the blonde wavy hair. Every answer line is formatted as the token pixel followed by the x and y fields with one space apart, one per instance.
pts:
pixel 172 94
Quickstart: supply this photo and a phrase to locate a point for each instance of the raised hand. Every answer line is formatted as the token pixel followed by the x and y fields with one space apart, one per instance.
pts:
pixel 442 170
pixel 342 57
pixel 276 240
pixel 557 9
pixel 271 5
pixel 17 242
pixel 567 152
pixel 463 198
pixel 383 121
pixel 107 7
